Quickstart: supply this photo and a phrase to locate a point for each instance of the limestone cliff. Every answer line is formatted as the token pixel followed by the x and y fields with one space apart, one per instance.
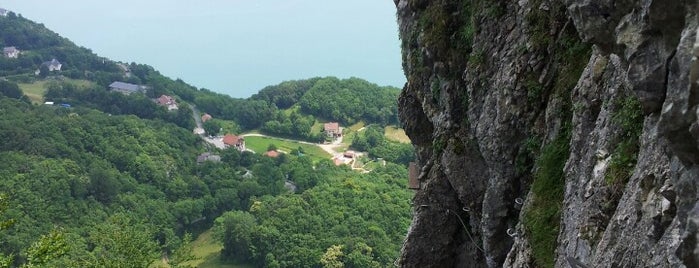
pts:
pixel 552 133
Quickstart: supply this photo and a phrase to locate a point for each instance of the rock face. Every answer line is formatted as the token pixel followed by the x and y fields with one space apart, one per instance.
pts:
pixel 552 133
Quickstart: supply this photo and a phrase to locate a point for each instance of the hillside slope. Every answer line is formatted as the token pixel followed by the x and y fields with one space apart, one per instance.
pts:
pixel 552 134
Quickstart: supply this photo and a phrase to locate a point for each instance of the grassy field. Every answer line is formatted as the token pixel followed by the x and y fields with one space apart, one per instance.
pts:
pixel 35 91
pixel 260 144
pixel 207 253
pixel 356 126
pixel 396 134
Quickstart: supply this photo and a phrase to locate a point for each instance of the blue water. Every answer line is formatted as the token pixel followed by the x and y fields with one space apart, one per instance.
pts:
pixel 232 46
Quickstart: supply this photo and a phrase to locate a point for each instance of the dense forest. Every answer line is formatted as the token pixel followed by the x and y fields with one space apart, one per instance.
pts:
pixel 113 180
pixel 79 170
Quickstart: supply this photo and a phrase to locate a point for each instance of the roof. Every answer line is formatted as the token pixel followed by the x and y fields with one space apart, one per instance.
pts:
pixel 206 117
pixel 165 100
pixel 231 139
pixel 332 126
pixel 125 86
pixel 53 62
pixel 272 153
pixel 9 50
pixel 208 157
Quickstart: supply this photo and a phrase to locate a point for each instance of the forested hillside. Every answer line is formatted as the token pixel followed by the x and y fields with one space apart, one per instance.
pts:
pixel 112 180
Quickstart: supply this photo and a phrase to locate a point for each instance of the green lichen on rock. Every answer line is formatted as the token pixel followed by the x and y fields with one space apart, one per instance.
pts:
pixel 629 118
pixel 541 220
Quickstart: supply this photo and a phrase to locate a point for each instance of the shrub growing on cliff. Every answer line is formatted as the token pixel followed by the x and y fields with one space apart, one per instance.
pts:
pixel 629 118
pixel 541 219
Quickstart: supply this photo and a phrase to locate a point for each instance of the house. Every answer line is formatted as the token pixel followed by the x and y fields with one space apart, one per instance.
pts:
pixel 126 88
pixel 413 176
pixel 234 141
pixel 4 12
pixel 272 154
pixel 332 129
pixel 53 65
pixel 10 52
pixel 168 102
pixel 349 154
pixel 206 117
pixel 208 157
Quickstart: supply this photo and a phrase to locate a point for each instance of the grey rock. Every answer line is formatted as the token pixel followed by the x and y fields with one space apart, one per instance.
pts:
pixel 473 123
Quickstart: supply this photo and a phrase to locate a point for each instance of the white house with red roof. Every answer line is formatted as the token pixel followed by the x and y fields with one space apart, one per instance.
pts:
pixel 332 129
pixel 167 101
pixel 238 142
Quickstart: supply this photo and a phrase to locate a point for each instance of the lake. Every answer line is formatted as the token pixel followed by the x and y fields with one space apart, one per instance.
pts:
pixel 231 46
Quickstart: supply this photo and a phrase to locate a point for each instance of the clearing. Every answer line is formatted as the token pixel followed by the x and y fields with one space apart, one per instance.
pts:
pixel 396 134
pixel 208 253
pixel 35 91
pixel 259 144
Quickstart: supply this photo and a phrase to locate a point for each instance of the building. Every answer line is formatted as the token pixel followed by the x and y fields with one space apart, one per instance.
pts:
pixel 272 154
pixel 206 117
pixel 52 65
pixel 168 102
pixel 126 88
pixel 10 52
pixel 349 154
pixel 234 141
pixel 208 157
pixel 332 129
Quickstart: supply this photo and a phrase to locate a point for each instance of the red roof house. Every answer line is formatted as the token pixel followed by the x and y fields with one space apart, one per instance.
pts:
pixel 332 129
pixel 206 117
pixel 168 102
pixel 231 140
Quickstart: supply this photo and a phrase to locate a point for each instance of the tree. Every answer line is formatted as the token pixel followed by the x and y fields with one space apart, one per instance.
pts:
pixel 333 257
pixel 44 71
pixel 212 127
pixel 271 147
pixel 11 90
pixel 235 230
pixel 122 242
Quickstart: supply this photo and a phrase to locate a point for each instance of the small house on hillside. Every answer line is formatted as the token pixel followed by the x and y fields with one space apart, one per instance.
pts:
pixel 206 117
pixel 168 102
pixel 126 88
pixel 332 130
pixel 52 65
pixel 10 52
pixel 4 12
pixel 208 157
pixel 234 141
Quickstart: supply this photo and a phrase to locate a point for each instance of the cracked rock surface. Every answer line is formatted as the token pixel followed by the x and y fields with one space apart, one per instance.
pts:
pixel 491 84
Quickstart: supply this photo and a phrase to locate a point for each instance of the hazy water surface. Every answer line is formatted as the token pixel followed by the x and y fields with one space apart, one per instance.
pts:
pixel 232 46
